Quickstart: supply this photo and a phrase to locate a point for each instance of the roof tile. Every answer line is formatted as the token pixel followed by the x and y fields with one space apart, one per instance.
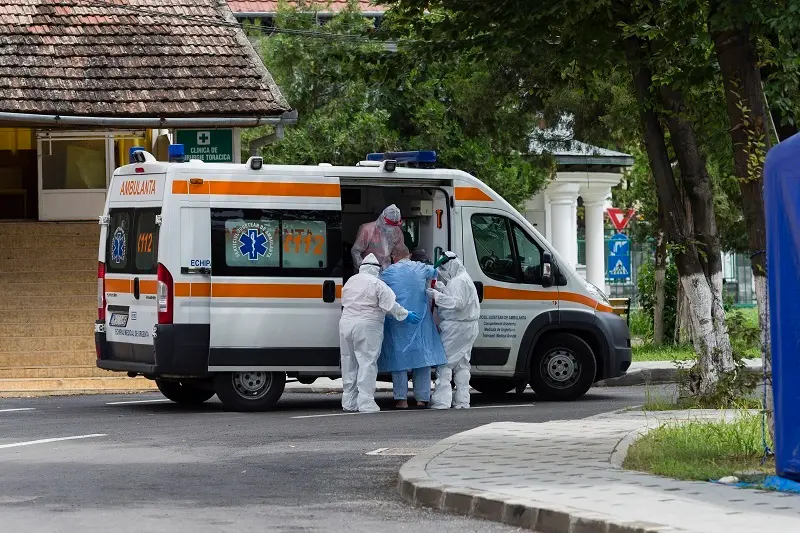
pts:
pixel 130 58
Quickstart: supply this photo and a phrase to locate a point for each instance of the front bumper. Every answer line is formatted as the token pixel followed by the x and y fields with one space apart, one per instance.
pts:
pixel 618 337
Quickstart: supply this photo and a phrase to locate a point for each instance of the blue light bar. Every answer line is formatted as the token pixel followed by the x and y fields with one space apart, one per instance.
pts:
pixel 132 151
pixel 420 156
pixel 175 153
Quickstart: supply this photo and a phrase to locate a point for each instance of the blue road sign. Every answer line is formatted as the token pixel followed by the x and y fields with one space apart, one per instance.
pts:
pixel 619 257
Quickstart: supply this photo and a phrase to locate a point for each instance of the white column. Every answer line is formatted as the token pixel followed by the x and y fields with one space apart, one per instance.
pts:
pixel 594 205
pixel 564 237
pixel 573 252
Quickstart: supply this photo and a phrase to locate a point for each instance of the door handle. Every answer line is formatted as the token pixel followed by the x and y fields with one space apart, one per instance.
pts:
pixel 328 291
pixel 136 288
pixel 199 270
pixel 479 288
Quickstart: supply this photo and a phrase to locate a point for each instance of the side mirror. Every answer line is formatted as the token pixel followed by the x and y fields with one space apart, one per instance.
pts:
pixel 547 269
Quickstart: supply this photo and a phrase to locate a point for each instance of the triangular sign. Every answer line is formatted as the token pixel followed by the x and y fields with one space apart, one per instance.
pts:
pixel 619 218
pixel 619 269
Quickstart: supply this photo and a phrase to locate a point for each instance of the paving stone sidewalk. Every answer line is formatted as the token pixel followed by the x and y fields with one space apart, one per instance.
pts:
pixel 564 477
pixel 640 373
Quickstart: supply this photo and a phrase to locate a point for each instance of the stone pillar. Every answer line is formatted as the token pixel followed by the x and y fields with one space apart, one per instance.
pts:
pixel 594 206
pixel 564 237
pixel 573 253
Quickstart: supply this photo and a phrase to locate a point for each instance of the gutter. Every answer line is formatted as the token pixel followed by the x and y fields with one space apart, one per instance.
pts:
pixel 29 119
pixel 321 14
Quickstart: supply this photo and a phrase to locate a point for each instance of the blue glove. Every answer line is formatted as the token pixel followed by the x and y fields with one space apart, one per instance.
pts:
pixel 412 318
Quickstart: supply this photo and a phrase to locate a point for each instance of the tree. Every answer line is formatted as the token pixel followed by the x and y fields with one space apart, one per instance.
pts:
pixel 354 96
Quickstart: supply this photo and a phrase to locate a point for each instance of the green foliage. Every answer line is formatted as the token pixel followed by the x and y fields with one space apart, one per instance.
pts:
pixel 646 285
pixel 354 97
pixel 700 450
pixel 648 352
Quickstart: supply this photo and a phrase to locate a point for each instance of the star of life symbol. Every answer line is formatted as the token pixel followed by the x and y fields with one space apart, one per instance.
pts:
pixel 252 241
pixel 118 246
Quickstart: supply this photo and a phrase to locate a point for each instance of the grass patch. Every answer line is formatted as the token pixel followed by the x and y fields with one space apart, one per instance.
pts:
pixel 648 352
pixel 658 401
pixel 700 450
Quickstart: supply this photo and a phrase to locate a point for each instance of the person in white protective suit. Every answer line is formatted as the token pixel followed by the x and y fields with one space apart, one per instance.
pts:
pixel 365 302
pixel 379 238
pixel 459 311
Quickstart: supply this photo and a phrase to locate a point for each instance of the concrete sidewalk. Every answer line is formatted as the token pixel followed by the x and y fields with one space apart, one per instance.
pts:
pixel 640 373
pixel 564 477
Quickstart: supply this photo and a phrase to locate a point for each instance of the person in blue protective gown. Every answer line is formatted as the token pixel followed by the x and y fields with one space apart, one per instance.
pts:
pixel 408 347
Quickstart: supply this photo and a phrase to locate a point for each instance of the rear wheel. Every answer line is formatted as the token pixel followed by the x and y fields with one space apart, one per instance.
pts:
pixel 562 367
pixel 492 386
pixel 250 390
pixel 184 392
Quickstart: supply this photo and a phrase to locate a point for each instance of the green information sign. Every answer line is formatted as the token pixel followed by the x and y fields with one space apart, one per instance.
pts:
pixel 209 146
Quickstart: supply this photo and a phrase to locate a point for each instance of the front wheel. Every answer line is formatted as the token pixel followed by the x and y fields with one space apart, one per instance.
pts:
pixel 183 392
pixel 250 390
pixel 562 367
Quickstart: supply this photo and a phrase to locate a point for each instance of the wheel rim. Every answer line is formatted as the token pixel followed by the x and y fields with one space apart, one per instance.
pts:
pixel 252 385
pixel 560 369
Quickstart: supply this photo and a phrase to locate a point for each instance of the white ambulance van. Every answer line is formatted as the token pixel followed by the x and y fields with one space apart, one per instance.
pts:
pixel 226 278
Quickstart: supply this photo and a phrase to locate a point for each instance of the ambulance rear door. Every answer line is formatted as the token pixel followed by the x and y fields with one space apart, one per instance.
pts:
pixel 131 262
pixel 276 271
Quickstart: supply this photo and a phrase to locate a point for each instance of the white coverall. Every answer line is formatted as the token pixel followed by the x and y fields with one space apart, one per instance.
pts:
pixel 365 301
pixel 379 237
pixel 459 311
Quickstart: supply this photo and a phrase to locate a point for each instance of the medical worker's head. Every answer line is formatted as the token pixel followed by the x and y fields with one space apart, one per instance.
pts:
pixel 390 218
pixel 450 268
pixel 400 252
pixel 370 266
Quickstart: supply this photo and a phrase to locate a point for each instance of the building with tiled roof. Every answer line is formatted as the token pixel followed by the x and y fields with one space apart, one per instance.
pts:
pixel 82 81
pixel 264 9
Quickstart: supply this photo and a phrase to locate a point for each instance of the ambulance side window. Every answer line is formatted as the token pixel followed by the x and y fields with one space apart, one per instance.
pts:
pixel 270 242
pixel 529 257
pixel 494 247
pixel 118 248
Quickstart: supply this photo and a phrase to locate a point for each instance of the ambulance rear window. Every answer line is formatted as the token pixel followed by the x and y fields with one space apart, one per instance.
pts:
pixel 146 249
pixel 117 244
pixel 132 244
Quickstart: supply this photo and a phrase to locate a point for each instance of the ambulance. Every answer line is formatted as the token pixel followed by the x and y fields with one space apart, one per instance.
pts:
pixel 219 278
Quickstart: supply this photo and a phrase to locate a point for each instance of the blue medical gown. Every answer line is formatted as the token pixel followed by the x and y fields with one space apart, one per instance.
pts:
pixel 408 346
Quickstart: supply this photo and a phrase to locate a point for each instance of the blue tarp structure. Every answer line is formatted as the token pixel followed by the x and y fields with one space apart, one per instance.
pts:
pixel 408 346
pixel 782 207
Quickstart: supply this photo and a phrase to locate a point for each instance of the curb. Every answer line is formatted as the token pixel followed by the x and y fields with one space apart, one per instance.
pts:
pixel 649 376
pixel 417 488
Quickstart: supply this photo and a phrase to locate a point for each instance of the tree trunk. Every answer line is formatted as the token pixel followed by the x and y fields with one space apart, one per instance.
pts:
pixel 700 204
pixel 660 276
pixel 690 270
pixel 738 61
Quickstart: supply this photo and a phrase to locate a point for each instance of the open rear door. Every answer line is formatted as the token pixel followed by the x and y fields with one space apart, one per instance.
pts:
pixel 276 276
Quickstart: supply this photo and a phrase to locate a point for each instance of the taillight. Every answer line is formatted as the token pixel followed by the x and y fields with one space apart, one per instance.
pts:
pixel 165 295
pixel 101 291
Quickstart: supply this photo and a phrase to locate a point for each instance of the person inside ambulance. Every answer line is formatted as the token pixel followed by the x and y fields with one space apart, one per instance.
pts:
pixel 379 238
pixel 459 310
pixel 414 348
pixel 365 302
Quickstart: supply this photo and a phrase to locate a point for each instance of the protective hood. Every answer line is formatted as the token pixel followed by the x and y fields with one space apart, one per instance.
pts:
pixel 451 268
pixel 389 218
pixel 370 266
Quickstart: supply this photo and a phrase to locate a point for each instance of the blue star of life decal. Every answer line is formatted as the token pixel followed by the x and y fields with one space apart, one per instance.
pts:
pixel 118 246
pixel 253 244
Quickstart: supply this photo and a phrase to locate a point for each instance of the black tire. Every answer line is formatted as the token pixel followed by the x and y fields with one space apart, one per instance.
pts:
pixel 184 392
pixel 492 386
pixel 250 391
pixel 562 367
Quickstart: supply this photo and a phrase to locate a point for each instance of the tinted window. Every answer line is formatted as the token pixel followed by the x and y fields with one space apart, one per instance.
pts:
pixel 529 257
pixel 146 235
pixel 118 242
pixel 494 247
pixel 260 242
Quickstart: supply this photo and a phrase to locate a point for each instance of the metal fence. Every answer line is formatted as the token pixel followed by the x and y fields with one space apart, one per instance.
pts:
pixel 737 274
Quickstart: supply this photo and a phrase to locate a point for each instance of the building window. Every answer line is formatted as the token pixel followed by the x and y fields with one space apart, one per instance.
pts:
pixel 74 164
pixel 262 242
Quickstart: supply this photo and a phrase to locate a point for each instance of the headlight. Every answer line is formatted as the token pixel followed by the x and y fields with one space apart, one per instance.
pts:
pixel 597 294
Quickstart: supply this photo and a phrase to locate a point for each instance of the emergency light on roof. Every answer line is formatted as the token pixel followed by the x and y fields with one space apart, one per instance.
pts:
pixel 175 153
pixel 131 158
pixel 419 157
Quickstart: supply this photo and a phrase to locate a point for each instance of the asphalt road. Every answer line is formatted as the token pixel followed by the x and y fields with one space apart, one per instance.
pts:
pixel 154 466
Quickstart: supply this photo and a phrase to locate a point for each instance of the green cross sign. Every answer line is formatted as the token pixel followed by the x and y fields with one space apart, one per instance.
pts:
pixel 209 146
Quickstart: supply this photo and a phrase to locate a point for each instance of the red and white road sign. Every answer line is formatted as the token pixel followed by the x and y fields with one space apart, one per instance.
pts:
pixel 620 218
